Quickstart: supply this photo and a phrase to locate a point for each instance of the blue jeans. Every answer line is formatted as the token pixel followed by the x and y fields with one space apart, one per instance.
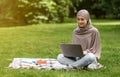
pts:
pixel 82 62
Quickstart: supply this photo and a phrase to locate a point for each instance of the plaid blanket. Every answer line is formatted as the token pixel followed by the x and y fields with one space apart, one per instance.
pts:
pixel 36 63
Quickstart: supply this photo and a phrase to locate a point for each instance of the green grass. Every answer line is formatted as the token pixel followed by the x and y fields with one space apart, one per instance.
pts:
pixel 42 41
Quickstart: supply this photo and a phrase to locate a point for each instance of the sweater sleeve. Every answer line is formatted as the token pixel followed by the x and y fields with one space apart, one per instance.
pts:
pixel 96 45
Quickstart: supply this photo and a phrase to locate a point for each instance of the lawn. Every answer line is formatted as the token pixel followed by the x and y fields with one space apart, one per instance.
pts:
pixel 42 41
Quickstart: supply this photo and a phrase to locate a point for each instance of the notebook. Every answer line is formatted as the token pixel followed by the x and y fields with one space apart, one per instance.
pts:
pixel 72 50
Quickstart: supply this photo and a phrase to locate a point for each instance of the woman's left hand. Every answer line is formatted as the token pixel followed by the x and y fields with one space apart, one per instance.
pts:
pixel 85 52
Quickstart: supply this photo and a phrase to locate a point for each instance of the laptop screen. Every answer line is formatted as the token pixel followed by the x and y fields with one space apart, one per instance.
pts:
pixel 72 50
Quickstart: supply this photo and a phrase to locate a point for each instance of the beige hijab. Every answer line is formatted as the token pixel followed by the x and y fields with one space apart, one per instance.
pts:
pixel 88 37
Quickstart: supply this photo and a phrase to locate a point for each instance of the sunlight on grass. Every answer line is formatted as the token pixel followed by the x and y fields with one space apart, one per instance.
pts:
pixel 106 22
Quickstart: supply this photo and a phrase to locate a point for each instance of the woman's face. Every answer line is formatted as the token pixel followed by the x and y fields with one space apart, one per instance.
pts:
pixel 82 22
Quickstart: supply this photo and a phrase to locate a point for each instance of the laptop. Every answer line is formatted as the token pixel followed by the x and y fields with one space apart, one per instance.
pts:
pixel 72 50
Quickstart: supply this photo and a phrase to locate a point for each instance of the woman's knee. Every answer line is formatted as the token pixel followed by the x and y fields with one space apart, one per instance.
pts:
pixel 60 56
pixel 63 60
pixel 91 57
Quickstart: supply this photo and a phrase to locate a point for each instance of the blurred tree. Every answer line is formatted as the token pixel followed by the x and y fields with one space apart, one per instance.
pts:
pixel 62 8
pixel 107 8
pixel 8 11
pixel 73 7
pixel 37 11
pixel 80 4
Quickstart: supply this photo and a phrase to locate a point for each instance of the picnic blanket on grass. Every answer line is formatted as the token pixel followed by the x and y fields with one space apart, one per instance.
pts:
pixel 36 63
pixel 44 63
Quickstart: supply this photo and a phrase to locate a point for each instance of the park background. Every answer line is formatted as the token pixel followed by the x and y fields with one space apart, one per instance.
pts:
pixel 22 12
pixel 36 28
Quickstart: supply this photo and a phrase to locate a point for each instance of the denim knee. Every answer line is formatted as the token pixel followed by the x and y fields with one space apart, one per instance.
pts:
pixel 91 57
pixel 60 56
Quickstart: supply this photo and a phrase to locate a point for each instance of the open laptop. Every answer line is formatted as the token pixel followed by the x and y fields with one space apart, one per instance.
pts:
pixel 72 50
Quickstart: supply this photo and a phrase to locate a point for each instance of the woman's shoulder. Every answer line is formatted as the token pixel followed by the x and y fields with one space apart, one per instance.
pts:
pixel 94 29
pixel 76 29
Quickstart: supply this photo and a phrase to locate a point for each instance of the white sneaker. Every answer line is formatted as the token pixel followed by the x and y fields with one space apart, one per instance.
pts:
pixel 95 66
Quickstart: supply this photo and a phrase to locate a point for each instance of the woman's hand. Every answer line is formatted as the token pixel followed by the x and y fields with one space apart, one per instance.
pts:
pixel 85 52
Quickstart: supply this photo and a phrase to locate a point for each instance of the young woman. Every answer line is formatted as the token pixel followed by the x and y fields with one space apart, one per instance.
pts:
pixel 89 38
